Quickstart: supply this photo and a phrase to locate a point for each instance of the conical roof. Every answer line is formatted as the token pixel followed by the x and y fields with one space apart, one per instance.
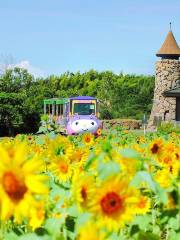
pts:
pixel 169 47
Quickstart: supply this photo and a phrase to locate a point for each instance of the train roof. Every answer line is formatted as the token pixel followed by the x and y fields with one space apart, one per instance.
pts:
pixel 65 100
pixel 82 98
pixel 55 100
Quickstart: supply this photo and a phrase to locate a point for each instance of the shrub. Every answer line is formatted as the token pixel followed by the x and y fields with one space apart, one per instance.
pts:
pixel 168 127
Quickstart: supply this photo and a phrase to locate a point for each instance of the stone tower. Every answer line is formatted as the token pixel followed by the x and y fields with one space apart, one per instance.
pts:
pixel 166 102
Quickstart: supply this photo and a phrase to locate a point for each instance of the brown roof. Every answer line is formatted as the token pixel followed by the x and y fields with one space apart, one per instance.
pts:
pixel 169 47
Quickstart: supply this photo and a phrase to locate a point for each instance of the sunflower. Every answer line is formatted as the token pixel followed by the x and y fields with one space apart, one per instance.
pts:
pixel 170 147
pixel 126 131
pixel 21 184
pixel 88 139
pixel 90 231
pixel 171 204
pixel 174 169
pixel 83 188
pixel 99 132
pixel 164 178
pixel 156 147
pixel 60 147
pixel 167 159
pixel 177 153
pixel 143 205
pixel 37 215
pixel 114 203
pixel 141 139
pixel 80 155
pixel 128 165
pixel 61 168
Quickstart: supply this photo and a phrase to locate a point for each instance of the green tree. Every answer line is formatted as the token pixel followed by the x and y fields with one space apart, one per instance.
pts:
pixel 21 95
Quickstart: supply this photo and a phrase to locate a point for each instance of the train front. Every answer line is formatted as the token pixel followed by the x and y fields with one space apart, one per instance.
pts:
pixel 83 116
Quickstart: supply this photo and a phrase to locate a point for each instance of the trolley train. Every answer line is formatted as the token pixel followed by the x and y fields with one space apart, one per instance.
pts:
pixel 75 115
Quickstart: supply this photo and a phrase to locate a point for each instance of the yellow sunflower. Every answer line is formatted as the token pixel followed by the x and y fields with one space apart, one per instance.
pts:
pixel 88 139
pixel 114 203
pixel 170 147
pixel 163 177
pixel 37 215
pixel 61 168
pixel 156 146
pixel 167 158
pixel 90 231
pixel 99 132
pixel 177 153
pixel 171 202
pixel 21 184
pixel 83 188
pixel 169 161
pixel 143 205
pixel 80 155
pixel 60 147
pixel 128 165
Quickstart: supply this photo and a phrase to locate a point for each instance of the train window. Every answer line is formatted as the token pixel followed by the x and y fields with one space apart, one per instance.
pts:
pixel 84 108
pixel 65 109
pixel 59 109
pixel 54 106
pixel 49 109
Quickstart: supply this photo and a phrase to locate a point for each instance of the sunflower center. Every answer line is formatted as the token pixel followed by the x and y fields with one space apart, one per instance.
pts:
pixel 171 169
pixel 84 193
pixel 154 148
pixel 14 188
pixel 142 204
pixel 111 203
pixel 167 160
pixel 79 155
pixel 11 153
pixel 63 167
pixel 99 131
pixel 87 139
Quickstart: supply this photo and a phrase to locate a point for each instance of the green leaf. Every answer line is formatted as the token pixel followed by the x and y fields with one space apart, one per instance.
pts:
pixel 161 193
pixel 42 129
pixel 33 236
pixel 156 229
pixel 53 225
pixel 40 140
pixel 10 236
pixel 51 135
pixel 70 223
pixel 174 236
pixel 114 236
pixel 108 169
pixel 143 176
pixel 73 211
pixel 147 236
pixel 90 160
pixel 82 219
pixel 142 221
pixel 174 223
pixel 130 153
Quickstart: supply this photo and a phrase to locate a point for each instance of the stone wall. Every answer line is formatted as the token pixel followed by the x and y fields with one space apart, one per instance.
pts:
pixel 167 77
pixel 125 123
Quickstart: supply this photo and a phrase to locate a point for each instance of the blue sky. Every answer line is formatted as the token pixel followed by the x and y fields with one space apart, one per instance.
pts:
pixel 53 36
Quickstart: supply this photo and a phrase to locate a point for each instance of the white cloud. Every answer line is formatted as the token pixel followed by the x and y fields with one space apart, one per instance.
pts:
pixel 31 69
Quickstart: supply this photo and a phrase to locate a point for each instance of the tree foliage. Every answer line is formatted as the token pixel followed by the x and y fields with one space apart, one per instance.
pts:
pixel 21 95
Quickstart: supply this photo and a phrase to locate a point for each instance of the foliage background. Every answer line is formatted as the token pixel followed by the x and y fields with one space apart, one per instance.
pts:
pixel 21 96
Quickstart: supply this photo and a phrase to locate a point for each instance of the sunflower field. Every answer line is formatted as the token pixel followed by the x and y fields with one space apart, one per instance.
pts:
pixel 118 186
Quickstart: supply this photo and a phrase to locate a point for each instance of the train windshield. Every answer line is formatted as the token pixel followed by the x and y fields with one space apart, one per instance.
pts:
pixel 84 108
